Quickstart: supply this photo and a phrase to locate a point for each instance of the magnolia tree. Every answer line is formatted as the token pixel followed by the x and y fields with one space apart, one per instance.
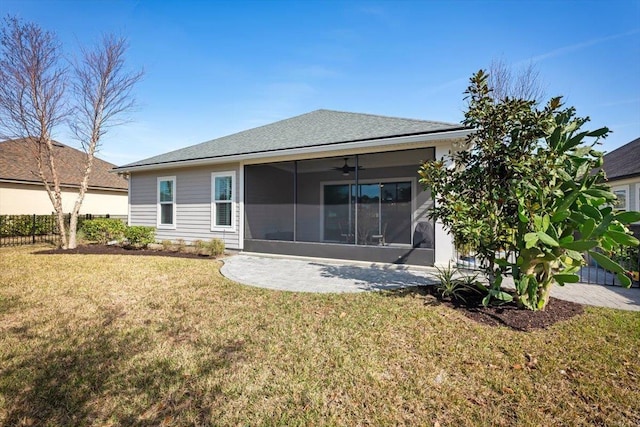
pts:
pixel 528 195
pixel 41 91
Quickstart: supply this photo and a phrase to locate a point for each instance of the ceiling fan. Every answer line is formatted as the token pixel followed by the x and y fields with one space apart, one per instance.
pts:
pixel 345 169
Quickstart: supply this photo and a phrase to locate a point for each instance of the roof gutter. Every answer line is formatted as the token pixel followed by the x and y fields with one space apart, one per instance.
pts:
pixel 369 143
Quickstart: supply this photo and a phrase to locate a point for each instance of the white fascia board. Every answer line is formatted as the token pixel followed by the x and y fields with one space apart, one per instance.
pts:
pixel 260 157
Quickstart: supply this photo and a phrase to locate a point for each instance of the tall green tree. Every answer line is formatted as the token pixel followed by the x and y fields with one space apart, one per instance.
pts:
pixel 528 195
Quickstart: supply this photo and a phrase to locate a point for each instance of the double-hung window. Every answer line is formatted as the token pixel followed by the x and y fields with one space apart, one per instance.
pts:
pixel 167 202
pixel 223 200
pixel 622 201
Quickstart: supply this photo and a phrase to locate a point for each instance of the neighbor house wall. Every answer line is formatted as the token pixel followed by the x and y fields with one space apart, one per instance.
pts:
pixel 193 203
pixel 27 199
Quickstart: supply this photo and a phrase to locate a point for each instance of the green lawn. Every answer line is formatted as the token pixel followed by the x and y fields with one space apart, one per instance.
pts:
pixel 123 340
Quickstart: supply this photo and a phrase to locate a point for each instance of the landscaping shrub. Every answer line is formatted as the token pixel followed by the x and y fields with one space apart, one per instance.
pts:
pixel 167 245
pixel 23 225
pixel 454 288
pixel 103 230
pixel 215 247
pixel 139 235
pixel 528 195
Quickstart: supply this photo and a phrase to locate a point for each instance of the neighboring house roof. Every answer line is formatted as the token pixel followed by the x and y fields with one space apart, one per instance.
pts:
pixel 18 164
pixel 317 128
pixel 623 162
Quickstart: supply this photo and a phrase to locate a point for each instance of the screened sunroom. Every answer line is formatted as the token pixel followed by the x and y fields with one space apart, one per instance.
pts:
pixel 367 207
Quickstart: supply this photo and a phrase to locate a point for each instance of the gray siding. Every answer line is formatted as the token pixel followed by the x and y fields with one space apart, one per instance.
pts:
pixel 193 204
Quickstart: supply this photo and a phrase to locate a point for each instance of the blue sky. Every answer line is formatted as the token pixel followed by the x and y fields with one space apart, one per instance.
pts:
pixel 217 67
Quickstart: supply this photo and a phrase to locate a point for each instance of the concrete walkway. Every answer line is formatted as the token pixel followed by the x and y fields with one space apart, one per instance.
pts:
pixel 331 276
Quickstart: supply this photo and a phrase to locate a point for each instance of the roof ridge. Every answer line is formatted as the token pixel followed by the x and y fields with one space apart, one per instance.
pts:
pixel 408 119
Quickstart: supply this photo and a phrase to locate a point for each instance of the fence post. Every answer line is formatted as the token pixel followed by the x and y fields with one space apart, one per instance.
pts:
pixel 33 230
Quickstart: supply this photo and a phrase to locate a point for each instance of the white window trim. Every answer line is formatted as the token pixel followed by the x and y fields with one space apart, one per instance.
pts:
pixel 158 210
pixel 624 188
pixel 234 201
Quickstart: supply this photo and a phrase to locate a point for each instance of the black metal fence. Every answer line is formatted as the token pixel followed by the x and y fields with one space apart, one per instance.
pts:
pixel 31 229
pixel 591 272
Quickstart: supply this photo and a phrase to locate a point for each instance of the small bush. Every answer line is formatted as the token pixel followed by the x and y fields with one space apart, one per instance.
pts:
pixel 103 230
pixel 181 245
pixel 453 288
pixel 167 245
pixel 139 235
pixel 200 247
pixel 215 247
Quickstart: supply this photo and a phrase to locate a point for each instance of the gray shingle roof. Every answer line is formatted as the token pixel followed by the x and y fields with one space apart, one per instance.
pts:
pixel 623 162
pixel 317 128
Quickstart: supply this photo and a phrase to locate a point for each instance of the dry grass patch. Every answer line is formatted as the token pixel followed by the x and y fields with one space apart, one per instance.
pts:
pixel 121 340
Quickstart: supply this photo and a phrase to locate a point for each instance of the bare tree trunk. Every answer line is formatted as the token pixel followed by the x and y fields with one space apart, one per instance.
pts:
pixel 103 90
pixel 32 87
pixel 33 80
pixel 73 223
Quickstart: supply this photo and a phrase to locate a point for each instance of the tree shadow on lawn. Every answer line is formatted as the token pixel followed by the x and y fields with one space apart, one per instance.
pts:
pixel 79 371
pixel 97 249
pixel 375 277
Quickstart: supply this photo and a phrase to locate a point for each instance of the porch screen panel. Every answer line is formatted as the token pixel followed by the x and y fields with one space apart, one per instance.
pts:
pixel 326 210
pixel 400 216
pixel 269 201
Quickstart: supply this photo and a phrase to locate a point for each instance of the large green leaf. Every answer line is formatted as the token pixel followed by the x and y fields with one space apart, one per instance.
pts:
pixel 580 245
pixel 522 214
pixel 530 240
pixel 595 192
pixel 560 216
pixel 501 262
pixel 623 238
pixel 606 262
pixel 592 212
pixel 587 228
pixel 565 239
pixel 625 281
pixel 554 139
pixel 546 239
pixel 604 225
pixel 568 201
pixel 575 141
pixel 598 132
pixel 522 284
pixel 566 278
pixel 627 217
pixel 500 295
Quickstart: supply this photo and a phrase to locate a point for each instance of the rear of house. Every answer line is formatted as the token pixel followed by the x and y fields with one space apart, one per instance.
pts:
pixel 324 184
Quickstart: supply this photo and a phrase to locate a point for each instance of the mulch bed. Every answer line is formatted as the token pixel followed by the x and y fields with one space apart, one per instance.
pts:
pixel 510 315
pixel 119 250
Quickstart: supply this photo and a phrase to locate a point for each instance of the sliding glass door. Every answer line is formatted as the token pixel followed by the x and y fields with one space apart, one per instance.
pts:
pixel 377 213
pixel 337 218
